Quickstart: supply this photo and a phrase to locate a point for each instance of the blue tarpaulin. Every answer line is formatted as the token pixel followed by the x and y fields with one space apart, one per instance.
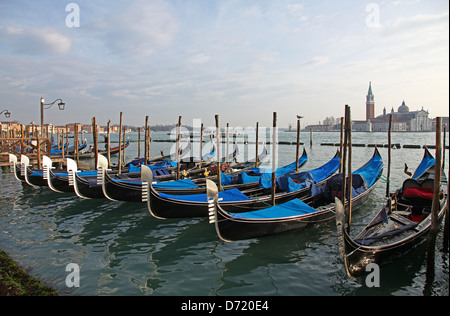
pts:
pixel 425 164
pixel 179 184
pixel 371 170
pixel 157 166
pixel 294 181
pixel 225 196
pixel 292 208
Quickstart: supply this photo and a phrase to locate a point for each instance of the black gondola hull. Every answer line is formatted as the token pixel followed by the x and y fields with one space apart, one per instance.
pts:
pixel 89 189
pixel 232 229
pixel 121 191
pixel 36 180
pixel 162 207
pixel 60 183
pixel 132 192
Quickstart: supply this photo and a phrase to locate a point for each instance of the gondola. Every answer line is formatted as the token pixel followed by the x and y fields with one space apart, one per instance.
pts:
pixel 84 185
pixel 90 186
pixel 59 182
pixel 400 226
pixel 126 188
pixel 163 206
pixel 112 151
pixel 24 173
pixel 67 151
pixel 16 167
pixel 294 214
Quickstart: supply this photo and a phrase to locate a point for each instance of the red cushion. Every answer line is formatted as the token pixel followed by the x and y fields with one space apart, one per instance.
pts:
pixel 423 193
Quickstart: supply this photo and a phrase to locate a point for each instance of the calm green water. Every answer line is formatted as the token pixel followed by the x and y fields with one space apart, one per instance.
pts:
pixel 122 250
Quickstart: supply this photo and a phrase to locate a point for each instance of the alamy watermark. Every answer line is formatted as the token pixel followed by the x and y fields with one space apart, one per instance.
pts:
pixel 73 278
pixel 73 18
pixel 373 278
pixel 373 18
pixel 237 144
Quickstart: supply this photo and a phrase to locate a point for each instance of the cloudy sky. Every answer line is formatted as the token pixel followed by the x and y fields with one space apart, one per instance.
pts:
pixel 241 59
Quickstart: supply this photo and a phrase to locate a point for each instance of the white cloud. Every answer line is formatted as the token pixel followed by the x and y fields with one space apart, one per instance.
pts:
pixel 199 59
pixel 296 9
pixel 35 41
pixel 421 20
pixel 140 30
pixel 253 11
pixel 316 60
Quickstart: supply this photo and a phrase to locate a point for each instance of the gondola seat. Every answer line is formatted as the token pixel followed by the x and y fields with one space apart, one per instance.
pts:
pixel 418 194
pixel 418 190
pixel 333 187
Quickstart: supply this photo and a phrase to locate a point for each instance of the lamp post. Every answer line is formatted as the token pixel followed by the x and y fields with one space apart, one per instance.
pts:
pixel 61 106
pixel 7 113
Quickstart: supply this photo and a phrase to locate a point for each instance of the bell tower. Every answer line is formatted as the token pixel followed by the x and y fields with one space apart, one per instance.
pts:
pixel 370 104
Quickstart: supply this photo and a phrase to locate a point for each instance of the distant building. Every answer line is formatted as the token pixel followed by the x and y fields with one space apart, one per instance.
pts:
pixel 370 104
pixel 366 126
pixel 403 120
pixel 321 128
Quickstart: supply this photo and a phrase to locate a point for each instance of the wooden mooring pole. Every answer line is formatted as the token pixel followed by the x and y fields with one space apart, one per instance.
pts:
pixel 297 153
pixel 95 137
pixel 108 143
pixel 435 205
pixel 257 145
pixel 344 160
pixel 146 153
pixel 341 145
pixel 446 219
pixel 139 142
pixel 120 143
pixel 274 156
pixel 219 178
pixel 178 147
pixel 389 156
pixel 350 178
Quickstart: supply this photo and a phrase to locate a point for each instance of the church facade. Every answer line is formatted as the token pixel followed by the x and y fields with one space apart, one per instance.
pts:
pixel 403 120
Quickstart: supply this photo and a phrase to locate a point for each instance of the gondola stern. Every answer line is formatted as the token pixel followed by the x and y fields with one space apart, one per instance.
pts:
pixel 47 165
pixel 102 162
pixel 24 164
pixel 102 168
pixel 212 194
pixel 341 225
pixel 12 158
pixel 72 169
pixel 13 162
pixel 147 180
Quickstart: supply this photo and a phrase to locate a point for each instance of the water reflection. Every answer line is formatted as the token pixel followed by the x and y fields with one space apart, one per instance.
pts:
pixel 122 250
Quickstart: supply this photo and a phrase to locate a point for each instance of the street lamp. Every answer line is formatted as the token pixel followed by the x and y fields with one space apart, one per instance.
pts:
pixel 7 113
pixel 61 106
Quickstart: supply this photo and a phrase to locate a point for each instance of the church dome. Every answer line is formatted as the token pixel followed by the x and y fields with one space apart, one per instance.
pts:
pixel 403 108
